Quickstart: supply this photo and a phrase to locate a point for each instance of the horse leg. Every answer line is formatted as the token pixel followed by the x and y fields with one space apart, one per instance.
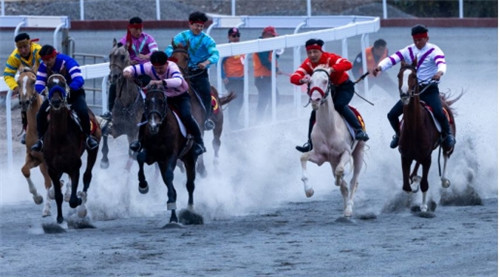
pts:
pixel 358 164
pixel 339 169
pixel 216 142
pixel 37 198
pixel 200 168
pixel 414 178
pixel 424 183
pixel 143 184
pixel 105 151
pixel 445 182
pixel 74 201
pixel 191 175
pixel 303 161
pixel 87 178
pixel 167 173
pixel 55 176
pixel 405 165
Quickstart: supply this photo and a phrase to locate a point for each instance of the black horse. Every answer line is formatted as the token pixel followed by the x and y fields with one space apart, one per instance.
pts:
pixel 162 142
pixel 64 144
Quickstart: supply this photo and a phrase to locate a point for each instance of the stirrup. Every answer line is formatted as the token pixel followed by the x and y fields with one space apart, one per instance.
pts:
pixel 199 149
pixel 209 124
pixel 361 135
pixel 135 146
pixel 37 147
pixel 107 116
pixel 304 148
pixel 91 143
pixel 395 141
pixel 448 142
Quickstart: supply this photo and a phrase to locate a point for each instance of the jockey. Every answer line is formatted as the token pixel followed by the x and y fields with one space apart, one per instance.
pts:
pixel 166 75
pixel 57 63
pixel 140 46
pixel 431 67
pixel 27 54
pixel 344 88
pixel 202 53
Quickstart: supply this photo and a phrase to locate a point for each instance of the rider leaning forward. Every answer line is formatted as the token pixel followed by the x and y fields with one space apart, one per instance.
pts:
pixel 57 63
pixel 166 75
pixel 344 88
pixel 431 66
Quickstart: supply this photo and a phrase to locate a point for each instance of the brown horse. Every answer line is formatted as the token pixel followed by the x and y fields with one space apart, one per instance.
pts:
pixel 30 102
pixel 128 106
pixel 163 143
pixel 64 145
pixel 180 55
pixel 419 135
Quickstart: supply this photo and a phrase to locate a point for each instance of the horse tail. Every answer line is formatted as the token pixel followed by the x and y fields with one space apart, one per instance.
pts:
pixel 227 98
pixel 445 98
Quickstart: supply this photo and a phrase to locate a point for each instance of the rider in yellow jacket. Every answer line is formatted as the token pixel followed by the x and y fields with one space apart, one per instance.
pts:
pixel 26 54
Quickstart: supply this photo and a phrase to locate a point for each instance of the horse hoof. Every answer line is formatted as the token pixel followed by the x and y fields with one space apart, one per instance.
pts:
pixel 172 225
pixel 445 183
pixel 309 192
pixel 144 190
pixel 38 199
pixel 46 213
pixel 104 164
pixel 82 212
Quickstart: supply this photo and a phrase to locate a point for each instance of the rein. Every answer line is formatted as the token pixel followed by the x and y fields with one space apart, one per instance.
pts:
pixel 161 113
pixel 323 93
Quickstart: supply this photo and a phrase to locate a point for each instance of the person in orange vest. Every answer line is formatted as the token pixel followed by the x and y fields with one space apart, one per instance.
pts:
pixel 374 54
pixel 262 73
pixel 232 76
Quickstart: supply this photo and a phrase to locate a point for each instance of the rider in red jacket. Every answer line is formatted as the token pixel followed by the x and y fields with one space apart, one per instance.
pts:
pixel 343 87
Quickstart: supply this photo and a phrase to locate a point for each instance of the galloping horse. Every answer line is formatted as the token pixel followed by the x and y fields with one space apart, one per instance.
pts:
pixel 331 139
pixel 180 56
pixel 128 107
pixel 64 145
pixel 163 143
pixel 30 102
pixel 419 135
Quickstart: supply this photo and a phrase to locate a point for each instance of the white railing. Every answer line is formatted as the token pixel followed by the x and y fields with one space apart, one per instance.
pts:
pixel 354 26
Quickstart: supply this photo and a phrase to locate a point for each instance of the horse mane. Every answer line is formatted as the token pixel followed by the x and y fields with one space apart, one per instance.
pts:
pixel 322 66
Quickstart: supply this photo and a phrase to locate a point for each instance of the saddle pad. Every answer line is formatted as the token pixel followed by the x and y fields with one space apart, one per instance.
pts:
pixel 181 125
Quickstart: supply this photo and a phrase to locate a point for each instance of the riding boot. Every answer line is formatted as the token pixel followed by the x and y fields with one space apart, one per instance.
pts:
pixel 395 125
pixel 209 123
pixel 308 145
pixel 359 134
pixel 111 102
pixel 192 126
pixel 25 124
pixel 91 143
pixel 448 140
pixel 135 146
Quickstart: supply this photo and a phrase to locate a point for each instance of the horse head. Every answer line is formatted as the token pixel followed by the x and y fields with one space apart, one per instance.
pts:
pixel 26 86
pixel 180 55
pixel 407 80
pixel 319 86
pixel 58 91
pixel 155 109
pixel 119 58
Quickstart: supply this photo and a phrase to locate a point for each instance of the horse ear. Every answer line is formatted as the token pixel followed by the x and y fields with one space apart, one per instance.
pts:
pixel 173 43
pixel 403 63
pixel 114 42
pixel 414 62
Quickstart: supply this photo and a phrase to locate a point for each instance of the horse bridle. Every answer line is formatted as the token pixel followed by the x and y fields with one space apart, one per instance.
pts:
pixel 29 102
pixel 323 93
pixel 160 112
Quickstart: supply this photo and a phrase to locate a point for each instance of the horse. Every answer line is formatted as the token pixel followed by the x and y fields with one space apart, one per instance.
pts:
pixel 180 56
pixel 419 135
pixel 30 102
pixel 163 143
pixel 128 106
pixel 331 139
pixel 64 145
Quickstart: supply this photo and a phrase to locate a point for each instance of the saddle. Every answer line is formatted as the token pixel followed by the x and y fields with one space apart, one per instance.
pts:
pixel 436 122
pixel 360 120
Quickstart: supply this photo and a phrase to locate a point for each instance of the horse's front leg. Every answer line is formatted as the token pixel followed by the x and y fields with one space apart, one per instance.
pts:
pixel 167 173
pixel 37 198
pixel 345 158
pixel 424 183
pixel 303 161
pixel 74 200
pixel 143 184
pixel 55 176
pixel 405 166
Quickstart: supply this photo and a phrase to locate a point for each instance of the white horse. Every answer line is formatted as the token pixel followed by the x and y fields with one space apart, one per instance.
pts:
pixel 331 140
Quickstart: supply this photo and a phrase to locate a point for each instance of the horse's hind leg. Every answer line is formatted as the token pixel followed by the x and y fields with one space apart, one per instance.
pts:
pixel 358 164
pixel 216 142
pixel 105 151
pixel 87 178
pixel 48 188
pixel 307 188
pixel 190 162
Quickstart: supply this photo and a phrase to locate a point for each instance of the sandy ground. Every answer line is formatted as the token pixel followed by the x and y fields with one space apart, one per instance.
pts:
pixel 257 221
